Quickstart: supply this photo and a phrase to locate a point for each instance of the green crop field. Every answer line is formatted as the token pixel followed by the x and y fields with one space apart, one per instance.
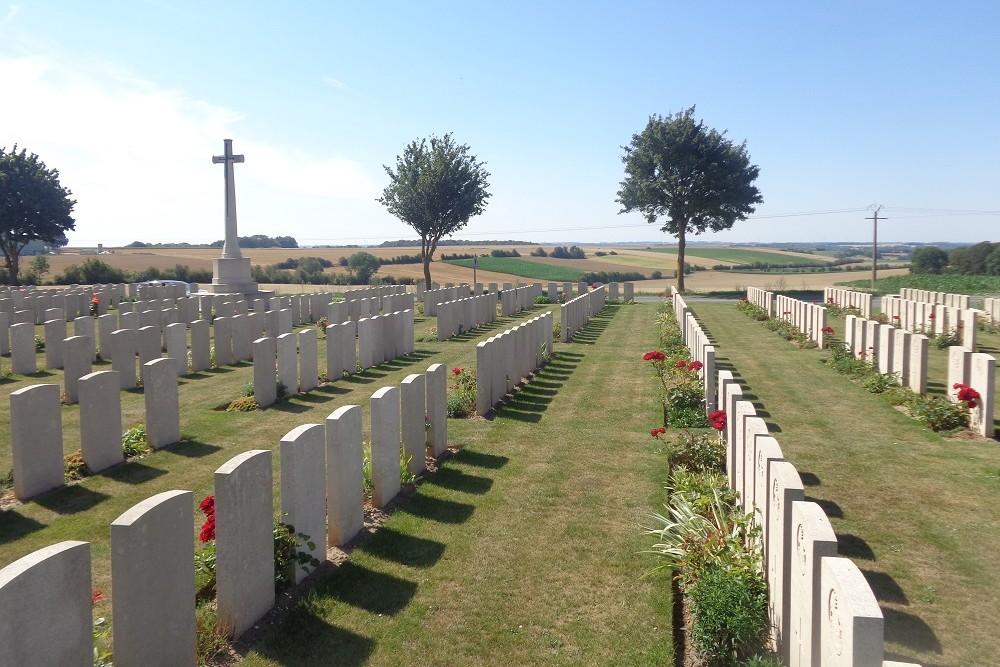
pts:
pixel 522 268
pixel 955 284
pixel 744 256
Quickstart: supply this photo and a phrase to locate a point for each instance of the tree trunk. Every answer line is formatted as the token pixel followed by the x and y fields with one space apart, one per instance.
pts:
pixel 12 261
pixel 680 257
pixel 427 271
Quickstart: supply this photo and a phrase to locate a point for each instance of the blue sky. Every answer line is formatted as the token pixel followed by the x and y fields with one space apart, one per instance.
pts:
pixel 841 104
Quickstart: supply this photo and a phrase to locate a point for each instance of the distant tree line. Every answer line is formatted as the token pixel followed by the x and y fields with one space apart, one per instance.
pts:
pixel 562 252
pixel 415 243
pixel 982 259
pixel 611 276
pixel 255 241
pixel 94 271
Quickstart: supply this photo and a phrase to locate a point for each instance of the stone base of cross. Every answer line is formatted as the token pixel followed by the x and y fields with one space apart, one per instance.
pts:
pixel 231 275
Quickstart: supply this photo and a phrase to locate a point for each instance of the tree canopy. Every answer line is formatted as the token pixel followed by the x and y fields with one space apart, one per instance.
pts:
pixel 929 259
pixel 33 206
pixel 362 266
pixel 436 188
pixel 688 177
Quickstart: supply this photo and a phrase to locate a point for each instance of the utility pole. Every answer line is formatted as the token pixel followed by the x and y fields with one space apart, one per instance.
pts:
pixel 475 265
pixel 874 220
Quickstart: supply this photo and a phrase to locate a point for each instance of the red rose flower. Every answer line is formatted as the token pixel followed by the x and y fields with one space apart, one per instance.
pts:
pixel 96 596
pixel 207 533
pixel 681 364
pixel 207 505
pixel 695 366
pixel 932 316
pixel 456 371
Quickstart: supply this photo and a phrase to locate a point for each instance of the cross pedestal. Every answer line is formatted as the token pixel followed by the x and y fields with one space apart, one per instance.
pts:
pixel 231 271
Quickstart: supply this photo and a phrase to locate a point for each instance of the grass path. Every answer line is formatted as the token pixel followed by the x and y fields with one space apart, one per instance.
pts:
pixel 523 548
pixel 916 511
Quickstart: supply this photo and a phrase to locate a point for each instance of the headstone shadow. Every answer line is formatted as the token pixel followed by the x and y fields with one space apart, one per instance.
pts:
pixel 14 525
pixel 809 479
pixel 71 499
pixel 437 509
pixel 192 448
pixel 829 507
pixel 451 478
pixel 409 550
pixel 305 634
pixel 853 546
pixel 886 588
pixel 909 630
pixel 480 459
pixel 133 472
pixel 375 592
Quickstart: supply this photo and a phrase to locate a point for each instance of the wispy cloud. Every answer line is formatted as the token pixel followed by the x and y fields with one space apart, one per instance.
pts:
pixel 12 11
pixel 336 83
pixel 137 156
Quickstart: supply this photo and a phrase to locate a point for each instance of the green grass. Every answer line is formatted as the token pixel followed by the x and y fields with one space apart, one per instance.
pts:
pixel 522 268
pixel 535 524
pixel 742 256
pixel 913 509
pixel 523 549
pixel 955 284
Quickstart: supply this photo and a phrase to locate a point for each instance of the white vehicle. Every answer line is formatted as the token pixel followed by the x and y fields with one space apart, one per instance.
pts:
pixel 187 286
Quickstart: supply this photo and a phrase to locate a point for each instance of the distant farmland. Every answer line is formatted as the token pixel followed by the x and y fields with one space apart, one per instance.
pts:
pixel 522 268
pixel 746 256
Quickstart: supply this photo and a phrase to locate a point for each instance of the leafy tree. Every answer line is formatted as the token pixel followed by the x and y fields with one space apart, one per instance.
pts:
pixel 993 261
pixel 436 188
pixel 33 205
pixel 930 259
pixel 39 266
pixel 690 175
pixel 362 266
pixel 970 261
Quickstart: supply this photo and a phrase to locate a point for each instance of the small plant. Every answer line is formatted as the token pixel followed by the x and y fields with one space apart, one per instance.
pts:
pixel 462 400
pixel 211 637
pixel 134 443
pixel 698 451
pixel 243 404
pixel 879 383
pixel 321 325
pixel 7 481
pixel 101 633
pixel 556 330
pixel 405 476
pixel 366 468
pixel 39 344
pixel 940 414
pixel 943 341
pixel 287 555
pixel 94 304
pixel 729 612
pixel 74 466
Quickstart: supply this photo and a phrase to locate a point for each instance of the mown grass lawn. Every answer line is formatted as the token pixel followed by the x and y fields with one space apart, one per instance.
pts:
pixel 523 268
pixel 523 549
pixel 915 510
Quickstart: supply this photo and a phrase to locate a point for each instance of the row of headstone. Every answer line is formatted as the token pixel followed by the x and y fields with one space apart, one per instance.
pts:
pixel 145 291
pixel 933 318
pixel 976 370
pixel 822 610
pixel 502 361
pixel 152 551
pixel 37 434
pixel 30 304
pixel 809 318
pixel 513 300
pixel 991 309
pixel 290 360
pixel 371 341
pixel 928 296
pixel 433 297
pixel 895 351
pixel 762 299
pixel 374 292
pixel 457 317
pixel 846 298
pixel 699 345
pixel 575 313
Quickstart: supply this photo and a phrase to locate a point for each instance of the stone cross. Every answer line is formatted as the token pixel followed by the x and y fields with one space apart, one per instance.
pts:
pixel 231 246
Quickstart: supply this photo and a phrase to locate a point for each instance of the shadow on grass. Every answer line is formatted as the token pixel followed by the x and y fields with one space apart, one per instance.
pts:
pixel 401 548
pixel 528 403
pixel 809 479
pixel 305 634
pixel 71 499
pixel 437 509
pixel 456 480
pixel 192 449
pixel 886 588
pixel 133 472
pixel 14 525
pixel 911 631
pixel 852 546
pixel 481 460
pixel 366 589
pixel 589 334
pixel 479 331
pixel 830 508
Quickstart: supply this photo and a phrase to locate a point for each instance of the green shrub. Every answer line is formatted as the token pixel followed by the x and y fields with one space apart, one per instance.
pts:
pixel 943 341
pixel 243 404
pixel 458 407
pixel 941 414
pixel 39 344
pixel 212 640
pixel 879 383
pixel 687 417
pixel 287 555
pixel 729 615
pixel 134 443
pixel 542 299
pixel 698 452
pixel 74 466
